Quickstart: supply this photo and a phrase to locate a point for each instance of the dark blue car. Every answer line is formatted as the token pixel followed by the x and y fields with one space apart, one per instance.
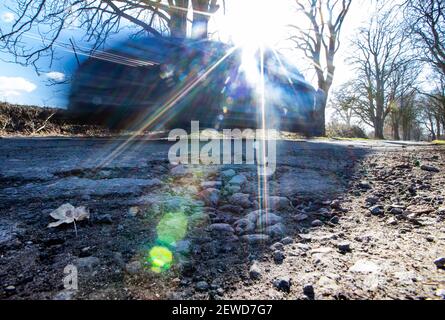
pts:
pixel 165 83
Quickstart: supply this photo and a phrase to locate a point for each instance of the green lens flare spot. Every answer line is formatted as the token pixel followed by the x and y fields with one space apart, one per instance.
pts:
pixel 160 259
pixel 172 228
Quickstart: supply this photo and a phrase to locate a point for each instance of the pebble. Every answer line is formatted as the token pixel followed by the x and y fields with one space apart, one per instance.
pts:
pixel 276 231
pixel 202 286
pixel 335 220
pixel 365 185
pixel 287 240
pixel 303 247
pixel 238 180
pixel 277 246
pixel 241 199
pixel 308 290
pixel 317 223
pixel 278 257
pixel 301 217
pixel 344 247
pixel 282 284
pixel 392 221
pixel 305 237
pixel 133 211
pixel 233 189
pixel 211 184
pixel 429 168
pixel 244 226
pixel 440 293
pixel 324 212
pixel 133 267
pixel 228 174
pixel 376 210
pixel 255 271
pixel 396 210
pixel 372 200
pixel 336 204
pixel 267 219
pixel 440 262
pixel 364 266
pixel 10 289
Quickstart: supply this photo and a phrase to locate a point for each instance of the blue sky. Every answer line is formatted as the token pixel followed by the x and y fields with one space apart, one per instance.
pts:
pixel 21 84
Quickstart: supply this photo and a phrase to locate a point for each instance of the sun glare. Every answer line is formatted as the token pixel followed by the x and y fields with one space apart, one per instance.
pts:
pixel 252 23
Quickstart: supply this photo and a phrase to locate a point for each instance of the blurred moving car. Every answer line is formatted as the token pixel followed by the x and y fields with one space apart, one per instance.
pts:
pixel 157 84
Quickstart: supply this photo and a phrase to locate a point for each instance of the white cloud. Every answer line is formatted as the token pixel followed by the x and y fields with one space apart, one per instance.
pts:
pixel 8 17
pixel 56 76
pixel 15 86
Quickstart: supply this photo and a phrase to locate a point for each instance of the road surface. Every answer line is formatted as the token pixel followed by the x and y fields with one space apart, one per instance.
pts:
pixel 318 198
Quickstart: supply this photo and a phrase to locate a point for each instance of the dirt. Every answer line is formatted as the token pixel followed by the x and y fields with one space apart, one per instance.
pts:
pixel 19 120
pixel 346 220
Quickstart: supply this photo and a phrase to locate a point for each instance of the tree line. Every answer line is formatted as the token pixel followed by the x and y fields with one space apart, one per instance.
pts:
pixel 398 59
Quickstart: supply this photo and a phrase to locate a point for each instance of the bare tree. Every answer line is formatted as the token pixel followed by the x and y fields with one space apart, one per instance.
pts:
pixel 426 24
pixel 402 89
pixel 98 20
pixel 437 101
pixel 380 51
pixel 320 41
pixel 426 19
pixel 409 112
pixel 343 101
pixel 427 116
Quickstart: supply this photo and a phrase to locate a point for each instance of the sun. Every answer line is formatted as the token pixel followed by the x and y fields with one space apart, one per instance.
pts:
pixel 254 23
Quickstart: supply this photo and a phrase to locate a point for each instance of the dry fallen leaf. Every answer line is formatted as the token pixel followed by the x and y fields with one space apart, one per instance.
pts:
pixel 67 213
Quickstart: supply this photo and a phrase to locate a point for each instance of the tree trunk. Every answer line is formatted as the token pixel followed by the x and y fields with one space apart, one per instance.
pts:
pixel 378 127
pixel 320 113
pixel 200 26
pixel 407 122
pixel 178 19
pixel 201 17
pixel 433 133
pixel 443 127
pixel 406 131
pixel 395 130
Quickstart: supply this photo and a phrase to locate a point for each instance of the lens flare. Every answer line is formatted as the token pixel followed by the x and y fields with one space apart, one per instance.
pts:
pixel 256 22
pixel 172 228
pixel 160 259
